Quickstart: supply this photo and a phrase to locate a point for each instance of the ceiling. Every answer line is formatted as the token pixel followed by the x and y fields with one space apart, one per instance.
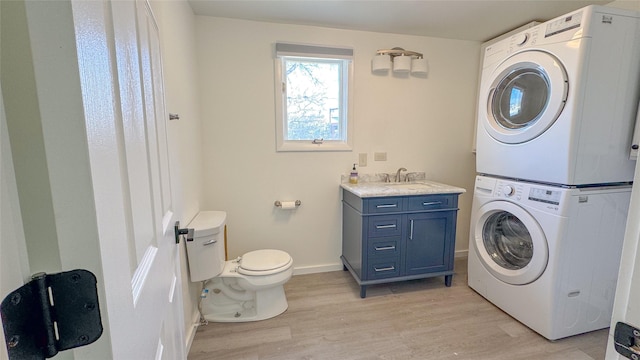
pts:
pixel 478 20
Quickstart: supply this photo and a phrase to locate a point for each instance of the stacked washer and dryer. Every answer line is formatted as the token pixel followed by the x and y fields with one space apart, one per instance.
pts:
pixel 557 110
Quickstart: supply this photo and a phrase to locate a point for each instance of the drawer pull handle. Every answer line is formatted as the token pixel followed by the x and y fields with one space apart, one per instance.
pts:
pixel 382 248
pixel 390 268
pixel 432 203
pixel 386 206
pixel 390 226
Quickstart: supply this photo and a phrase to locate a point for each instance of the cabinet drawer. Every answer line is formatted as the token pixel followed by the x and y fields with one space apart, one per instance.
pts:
pixel 388 225
pixel 384 246
pixel 385 205
pixel 384 269
pixel 432 202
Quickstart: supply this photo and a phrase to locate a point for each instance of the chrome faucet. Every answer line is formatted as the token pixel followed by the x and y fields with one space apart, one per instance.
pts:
pixel 398 173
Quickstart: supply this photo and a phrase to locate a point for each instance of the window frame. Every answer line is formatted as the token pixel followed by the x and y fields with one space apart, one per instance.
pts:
pixel 312 53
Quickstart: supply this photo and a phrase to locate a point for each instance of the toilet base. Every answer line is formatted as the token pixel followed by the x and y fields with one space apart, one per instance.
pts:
pixel 219 306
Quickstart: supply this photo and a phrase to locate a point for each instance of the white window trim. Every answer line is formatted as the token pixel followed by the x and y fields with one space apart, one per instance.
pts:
pixel 286 49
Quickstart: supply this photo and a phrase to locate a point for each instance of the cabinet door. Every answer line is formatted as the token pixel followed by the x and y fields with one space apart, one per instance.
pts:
pixel 429 242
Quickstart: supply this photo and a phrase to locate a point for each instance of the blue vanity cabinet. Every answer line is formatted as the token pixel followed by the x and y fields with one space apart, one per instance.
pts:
pixel 388 239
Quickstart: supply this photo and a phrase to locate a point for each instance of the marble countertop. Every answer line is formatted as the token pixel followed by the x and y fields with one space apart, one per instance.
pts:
pixel 417 187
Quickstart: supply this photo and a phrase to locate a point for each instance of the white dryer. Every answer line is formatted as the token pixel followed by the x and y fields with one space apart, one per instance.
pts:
pixel 558 101
pixel 548 256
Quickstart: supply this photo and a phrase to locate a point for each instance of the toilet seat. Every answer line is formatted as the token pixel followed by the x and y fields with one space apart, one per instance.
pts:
pixel 264 262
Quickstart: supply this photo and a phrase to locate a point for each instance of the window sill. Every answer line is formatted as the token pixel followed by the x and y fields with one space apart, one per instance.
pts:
pixel 290 146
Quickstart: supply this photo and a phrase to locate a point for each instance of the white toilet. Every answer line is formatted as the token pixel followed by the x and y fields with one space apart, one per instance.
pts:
pixel 248 288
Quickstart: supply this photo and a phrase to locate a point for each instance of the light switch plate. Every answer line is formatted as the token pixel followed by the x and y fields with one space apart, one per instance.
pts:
pixel 362 159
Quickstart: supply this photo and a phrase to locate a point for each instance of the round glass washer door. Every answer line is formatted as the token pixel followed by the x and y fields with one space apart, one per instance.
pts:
pixel 526 96
pixel 510 243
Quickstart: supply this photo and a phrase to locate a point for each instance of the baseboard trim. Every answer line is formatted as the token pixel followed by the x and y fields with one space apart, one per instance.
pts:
pixel 191 331
pixel 302 270
pixel 462 253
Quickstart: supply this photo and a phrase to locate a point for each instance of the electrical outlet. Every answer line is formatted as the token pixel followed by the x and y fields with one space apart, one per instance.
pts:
pixel 380 156
pixel 362 159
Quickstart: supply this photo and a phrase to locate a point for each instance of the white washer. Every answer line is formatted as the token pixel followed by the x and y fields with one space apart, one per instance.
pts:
pixel 558 101
pixel 547 255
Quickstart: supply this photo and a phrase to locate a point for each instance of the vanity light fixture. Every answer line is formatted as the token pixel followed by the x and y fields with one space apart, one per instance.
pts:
pixel 403 61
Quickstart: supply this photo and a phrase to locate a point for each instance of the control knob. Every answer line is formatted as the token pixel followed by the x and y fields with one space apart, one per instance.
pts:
pixel 508 190
pixel 520 39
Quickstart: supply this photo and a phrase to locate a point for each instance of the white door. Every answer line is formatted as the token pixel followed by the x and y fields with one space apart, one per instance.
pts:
pixel 122 100
pixel 626 306
pixel 130 173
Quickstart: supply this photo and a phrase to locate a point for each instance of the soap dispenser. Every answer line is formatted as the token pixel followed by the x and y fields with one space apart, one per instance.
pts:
pixel 353 178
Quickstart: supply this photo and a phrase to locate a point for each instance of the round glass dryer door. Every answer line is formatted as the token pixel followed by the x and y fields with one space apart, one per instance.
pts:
pixel 510 243
pixel 525 96
pixel 520 98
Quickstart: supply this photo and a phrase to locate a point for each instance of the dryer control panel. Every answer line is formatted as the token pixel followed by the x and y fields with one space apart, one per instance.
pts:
pixel 562 24
pixel 536 195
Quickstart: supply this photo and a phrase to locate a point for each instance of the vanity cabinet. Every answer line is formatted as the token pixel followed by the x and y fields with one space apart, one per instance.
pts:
pixel 396 238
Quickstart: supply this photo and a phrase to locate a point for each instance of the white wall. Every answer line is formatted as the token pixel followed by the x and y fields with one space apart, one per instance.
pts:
pixel 422 124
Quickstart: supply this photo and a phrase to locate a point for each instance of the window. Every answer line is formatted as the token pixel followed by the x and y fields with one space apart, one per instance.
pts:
pixel 313 98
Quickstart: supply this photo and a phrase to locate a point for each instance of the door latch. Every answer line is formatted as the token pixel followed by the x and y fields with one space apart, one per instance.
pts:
pixel 51 313
pixel 627 341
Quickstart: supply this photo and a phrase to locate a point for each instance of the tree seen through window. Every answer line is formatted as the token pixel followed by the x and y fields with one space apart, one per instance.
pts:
pixel 313 99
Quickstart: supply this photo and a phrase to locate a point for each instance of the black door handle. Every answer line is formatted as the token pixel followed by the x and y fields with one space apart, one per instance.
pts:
pixel 184 231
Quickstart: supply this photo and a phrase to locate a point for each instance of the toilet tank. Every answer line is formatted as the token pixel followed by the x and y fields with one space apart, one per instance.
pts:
pixel 205 253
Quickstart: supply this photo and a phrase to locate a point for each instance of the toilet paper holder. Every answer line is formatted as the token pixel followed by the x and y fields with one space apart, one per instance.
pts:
pixel 278 203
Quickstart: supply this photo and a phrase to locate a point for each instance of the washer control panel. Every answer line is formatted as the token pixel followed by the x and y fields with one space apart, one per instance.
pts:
pixel 539 196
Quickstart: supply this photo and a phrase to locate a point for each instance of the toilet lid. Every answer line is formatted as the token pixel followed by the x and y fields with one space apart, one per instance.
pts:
pixel 260 262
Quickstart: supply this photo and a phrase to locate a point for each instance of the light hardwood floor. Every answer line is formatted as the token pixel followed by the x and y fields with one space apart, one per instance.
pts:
pixel 420 319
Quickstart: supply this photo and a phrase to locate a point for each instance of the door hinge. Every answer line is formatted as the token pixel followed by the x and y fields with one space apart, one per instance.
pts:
pixel 626 340
pixel 51 313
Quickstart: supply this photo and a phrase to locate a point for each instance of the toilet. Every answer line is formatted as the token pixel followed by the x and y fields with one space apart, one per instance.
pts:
pixel 249 288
